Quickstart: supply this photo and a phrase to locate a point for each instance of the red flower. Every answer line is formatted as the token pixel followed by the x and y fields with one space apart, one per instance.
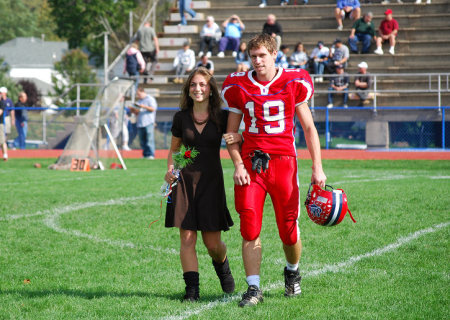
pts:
pixel 187 154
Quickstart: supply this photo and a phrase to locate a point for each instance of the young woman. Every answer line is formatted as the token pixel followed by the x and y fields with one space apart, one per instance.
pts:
pixel 242 58
pixel 299 58
pixel 198 200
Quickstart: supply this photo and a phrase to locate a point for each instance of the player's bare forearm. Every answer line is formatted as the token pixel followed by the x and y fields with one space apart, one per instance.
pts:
pixel 312 142
pixel 235 155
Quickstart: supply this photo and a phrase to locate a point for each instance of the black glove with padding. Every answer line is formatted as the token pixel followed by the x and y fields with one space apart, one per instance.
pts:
pixel 260 161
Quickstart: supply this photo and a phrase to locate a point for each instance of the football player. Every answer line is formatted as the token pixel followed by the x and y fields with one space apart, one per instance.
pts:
pixel 268 98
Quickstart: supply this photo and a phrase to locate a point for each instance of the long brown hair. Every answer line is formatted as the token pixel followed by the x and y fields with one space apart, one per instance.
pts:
pixel 215 102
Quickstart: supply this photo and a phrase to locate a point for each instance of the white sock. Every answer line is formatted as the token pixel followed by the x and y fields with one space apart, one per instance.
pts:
pixel 291 267
pixel 5 156
pixel 253 280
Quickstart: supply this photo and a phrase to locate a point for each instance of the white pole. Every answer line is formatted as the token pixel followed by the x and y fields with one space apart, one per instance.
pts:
pixel 111 139
pixel 105 62
pixel 131 25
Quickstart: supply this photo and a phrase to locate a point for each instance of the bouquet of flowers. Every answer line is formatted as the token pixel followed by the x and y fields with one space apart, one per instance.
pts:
pixel 181 159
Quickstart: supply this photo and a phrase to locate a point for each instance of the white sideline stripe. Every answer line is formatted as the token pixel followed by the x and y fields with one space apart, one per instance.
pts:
pixel 327 268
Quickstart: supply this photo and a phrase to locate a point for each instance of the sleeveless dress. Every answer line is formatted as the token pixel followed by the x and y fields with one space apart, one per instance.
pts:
pixel 198 201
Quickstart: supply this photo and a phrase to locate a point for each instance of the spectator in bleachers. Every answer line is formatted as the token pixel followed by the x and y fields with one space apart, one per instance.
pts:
pixel 149 46
pixel 388 30
pixel 299 58
pixel 232 36
pixel 363 82
pixel 273 28
pixel 21 121
pixel 185 5
pixel 363 30
pixel 339 55
pixel 263 3
pixel 388 1
pixel 183 62
pixel 206 63
pixel 347 8
pixel 134 63
pixel 338 85
pixel 319 56
pixel 209 36
pixel 281 60
pixel 242 59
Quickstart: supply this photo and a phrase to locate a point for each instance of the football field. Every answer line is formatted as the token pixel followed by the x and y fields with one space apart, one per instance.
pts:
pixel 77 245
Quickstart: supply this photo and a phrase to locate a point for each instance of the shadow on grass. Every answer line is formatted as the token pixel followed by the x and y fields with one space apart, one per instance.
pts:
pixel 89 295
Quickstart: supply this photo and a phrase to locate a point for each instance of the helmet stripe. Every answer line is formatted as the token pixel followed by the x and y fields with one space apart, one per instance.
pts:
pixel 336 207
pixel 333 209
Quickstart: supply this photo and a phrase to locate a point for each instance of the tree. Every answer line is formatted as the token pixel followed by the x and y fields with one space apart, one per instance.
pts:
pixel 74 68
pixel 16 20
pixel 33 94
pixel 5 81
pixel 82 23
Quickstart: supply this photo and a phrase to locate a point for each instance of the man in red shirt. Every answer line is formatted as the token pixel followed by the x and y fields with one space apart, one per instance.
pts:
pixel 387 31
pixel 267 99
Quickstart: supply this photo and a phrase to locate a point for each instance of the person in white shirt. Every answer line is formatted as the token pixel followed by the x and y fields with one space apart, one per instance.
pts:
pixel 209 36
pixel 320 56
pixel 183 62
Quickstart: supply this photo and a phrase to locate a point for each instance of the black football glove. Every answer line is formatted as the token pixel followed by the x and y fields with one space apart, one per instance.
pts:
pixel 260 161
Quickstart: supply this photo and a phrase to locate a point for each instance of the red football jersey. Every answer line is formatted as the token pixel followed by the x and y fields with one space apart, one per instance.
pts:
pixel 268 108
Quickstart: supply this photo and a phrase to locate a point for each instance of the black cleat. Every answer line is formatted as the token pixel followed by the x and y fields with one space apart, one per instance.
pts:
pixel 224 273
pixel 191 278
pixel 292 283
pixel 192 294
pixel 252 297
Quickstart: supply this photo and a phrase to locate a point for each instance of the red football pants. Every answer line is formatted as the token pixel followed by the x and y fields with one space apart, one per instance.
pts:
pixel 280 181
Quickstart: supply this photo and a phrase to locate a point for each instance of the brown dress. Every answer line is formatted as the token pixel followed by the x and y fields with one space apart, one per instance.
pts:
pixel 198 200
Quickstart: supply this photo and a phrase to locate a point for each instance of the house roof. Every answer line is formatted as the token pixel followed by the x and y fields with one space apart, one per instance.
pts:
pixel 32 52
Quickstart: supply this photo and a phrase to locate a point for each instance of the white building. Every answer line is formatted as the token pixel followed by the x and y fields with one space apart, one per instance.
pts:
pixel 33 59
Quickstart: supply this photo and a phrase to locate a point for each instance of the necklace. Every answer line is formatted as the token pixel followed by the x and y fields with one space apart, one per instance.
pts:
pixel 202 122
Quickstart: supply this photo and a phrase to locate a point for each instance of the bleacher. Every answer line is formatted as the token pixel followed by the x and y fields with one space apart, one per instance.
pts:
pixel 423 46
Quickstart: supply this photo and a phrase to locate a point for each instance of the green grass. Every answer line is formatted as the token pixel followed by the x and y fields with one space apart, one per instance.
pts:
pixel 87 258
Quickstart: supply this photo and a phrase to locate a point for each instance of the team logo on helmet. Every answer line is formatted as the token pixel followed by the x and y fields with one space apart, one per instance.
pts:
pixel 326 207
pixel 315 210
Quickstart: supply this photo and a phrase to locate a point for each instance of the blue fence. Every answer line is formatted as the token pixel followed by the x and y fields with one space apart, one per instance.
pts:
pixel 342 132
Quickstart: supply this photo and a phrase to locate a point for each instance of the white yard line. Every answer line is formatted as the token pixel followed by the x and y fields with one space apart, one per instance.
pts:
pixel 43 181
pixel 337 267
pixel 75 207
pixel 52 221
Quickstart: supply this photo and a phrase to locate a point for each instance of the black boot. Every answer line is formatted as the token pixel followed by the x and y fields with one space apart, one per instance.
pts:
pixel 224 273
pixel 191 279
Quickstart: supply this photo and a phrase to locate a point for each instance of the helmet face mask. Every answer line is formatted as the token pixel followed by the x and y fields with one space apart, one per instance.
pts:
pixel 326 207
